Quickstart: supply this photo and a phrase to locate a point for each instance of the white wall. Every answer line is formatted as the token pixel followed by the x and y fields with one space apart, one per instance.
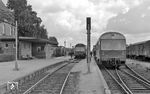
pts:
pixel 26 49
pixel 49 49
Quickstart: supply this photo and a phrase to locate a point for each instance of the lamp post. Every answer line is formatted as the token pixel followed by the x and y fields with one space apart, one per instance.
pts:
pixel 65 47
pixel 16 40
pixel 70 45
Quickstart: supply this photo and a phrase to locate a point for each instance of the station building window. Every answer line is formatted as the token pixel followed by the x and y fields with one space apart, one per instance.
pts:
pixel 24 45
pixel 10 33
pixel 6 45
pixel 42 48
pixel 38 49
pixel 1 50
pixel 3 29
pixel 14 45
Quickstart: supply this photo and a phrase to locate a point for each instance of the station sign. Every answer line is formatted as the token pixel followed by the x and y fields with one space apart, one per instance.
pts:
pixel 12 86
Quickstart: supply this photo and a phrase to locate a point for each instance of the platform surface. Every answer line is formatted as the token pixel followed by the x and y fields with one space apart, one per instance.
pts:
pixel 90 83
pixel 25 67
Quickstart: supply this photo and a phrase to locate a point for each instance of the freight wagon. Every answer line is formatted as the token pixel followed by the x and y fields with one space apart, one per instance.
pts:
pixel 140 50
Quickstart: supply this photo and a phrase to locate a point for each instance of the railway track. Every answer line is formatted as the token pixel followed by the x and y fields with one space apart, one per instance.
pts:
pixel 143 71
pixel 113 81
pixel 50 82
pixel 128 81
pixel 136 83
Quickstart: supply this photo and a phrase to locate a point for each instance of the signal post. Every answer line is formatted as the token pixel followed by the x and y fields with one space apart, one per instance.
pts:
pixel 88 27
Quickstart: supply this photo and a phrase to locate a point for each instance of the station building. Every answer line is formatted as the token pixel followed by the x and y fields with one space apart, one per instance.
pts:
pixel 29 47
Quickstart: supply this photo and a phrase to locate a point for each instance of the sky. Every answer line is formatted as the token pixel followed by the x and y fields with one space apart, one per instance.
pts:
pixel 66 19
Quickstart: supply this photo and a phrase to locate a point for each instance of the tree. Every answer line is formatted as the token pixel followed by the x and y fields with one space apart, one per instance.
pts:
pixel 42 32
pixel 17 5
pixel 28 23
pixel 53 39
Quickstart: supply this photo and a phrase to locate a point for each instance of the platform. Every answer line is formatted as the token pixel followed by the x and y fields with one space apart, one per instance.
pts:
pixel 25 67
pixel 90 83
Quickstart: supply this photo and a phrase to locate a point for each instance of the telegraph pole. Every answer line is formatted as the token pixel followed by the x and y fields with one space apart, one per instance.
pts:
pixel 70 45
pixel 64 43
pixel 16 62
pixel 65 47
pixel 88 27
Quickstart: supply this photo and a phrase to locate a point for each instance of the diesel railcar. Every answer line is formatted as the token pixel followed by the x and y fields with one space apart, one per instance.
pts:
pixel 140 50
pixel 80 51
pixel 110 49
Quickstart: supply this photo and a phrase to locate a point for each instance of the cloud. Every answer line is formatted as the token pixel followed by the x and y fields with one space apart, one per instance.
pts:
pixel 66 19
pixel 135 22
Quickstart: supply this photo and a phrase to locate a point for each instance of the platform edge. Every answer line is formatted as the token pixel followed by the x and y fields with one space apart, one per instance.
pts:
pixel 106 88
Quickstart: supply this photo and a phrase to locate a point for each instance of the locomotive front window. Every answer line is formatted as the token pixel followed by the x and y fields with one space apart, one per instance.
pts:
pixel 79 49
pixel 109 44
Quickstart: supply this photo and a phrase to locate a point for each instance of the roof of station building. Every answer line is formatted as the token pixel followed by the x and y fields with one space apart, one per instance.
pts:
pixel 6 14
pixel 27 39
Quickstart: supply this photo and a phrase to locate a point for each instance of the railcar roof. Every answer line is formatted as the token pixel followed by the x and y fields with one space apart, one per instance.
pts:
pixel 112 35
pixel 137 43
pixel 79 45
pixel 108 33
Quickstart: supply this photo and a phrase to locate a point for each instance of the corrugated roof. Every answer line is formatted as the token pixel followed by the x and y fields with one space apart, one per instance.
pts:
pixel 2 6
pixel 5 13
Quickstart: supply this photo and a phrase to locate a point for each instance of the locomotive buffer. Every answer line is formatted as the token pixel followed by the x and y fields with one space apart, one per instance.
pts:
pixel 88 27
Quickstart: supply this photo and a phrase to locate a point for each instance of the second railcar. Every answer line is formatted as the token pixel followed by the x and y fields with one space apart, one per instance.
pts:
pixel 111 49
pixel 80 51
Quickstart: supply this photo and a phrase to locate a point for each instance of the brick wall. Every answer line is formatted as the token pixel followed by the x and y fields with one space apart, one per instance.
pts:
pixel 7 51
pixel 38 50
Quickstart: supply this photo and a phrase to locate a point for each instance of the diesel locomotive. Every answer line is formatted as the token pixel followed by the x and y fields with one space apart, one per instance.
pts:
pixel 80 51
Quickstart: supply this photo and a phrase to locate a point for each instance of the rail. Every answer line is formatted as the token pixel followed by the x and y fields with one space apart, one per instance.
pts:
pixel 63 86
pixel 124 88
pixel 33 86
